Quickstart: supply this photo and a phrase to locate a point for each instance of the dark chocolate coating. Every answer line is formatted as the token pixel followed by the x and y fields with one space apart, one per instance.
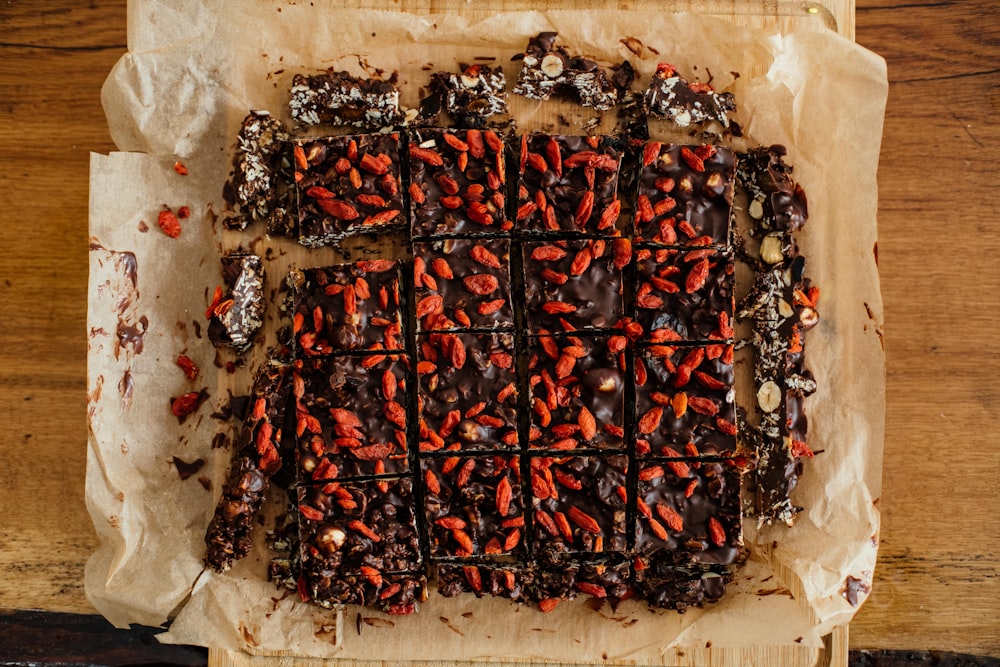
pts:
pixel 337 98
pixel 470 492
pixel 576 78
pixel 669 95
pixel 347 425
pixel 702 198
pixel 230 534
pixel 373 203
pixel 591 168
pixel 263 182
pixel 668 296
pixel 613 576
pixel 462 406
pixel 321 296
pixel 474 195
pixel 464 305
pixel 470 98
pixel 237 326
pixel 663 491
pixel 499 580
pixel 598 478
pixel 595 381
pixel 707 422
pixel 352 514
pixel 763 172
pixel 395 594
pixel 672 583
pixel 593 295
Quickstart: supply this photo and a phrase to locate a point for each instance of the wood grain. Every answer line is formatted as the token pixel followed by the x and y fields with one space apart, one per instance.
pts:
pixel 936 586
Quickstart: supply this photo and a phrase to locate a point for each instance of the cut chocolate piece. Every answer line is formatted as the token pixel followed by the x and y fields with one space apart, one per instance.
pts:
pixel 262 175
pixel 502 580
pixel 664 582
pixel 555 575
pixel 578 503
pixel 357 528
pixel 781 307
pixel 571 285
pixel 607 579
pixel 347 185
pixel 462 284
pixel 685 194
pixel 230 534
pixel 473 505
pixel 684 402
pixel 350 416
pixel 577 391
pixel 777 203
pixel 671 96
pixel 337 98
pixel 470 98
pixel 547 69
pixel 237 314
pixel 347 307
pixel 689 293
pixel 394 594
pixel 457 182
pixel 689 509
pixel 467 395
pixel 568 184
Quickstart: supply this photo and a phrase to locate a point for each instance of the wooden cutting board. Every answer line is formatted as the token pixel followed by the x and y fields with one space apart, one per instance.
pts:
pixel 784 15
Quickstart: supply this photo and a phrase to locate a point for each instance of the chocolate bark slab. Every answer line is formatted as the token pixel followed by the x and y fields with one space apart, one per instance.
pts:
pixel 574 284
pixel 470 97
pixel 350 416
pixel 457 182
pixel 781 308
pixel 462 284
pixel 568 184
pixel 347 185
pixel 473 505
pixel 670 582
pixel 394 594
pixel 548 69
pixel 690 509
pixel 684 401
pixel 357 528
pixel 685 194
pixel 671 96
pixel 337 98
pixel 505 580
pixel 687 292
pixel 467 392
pixel 347 307
pixel 263 185
pixel 578 503
pixel 577 389
pixel 230 534
pixel 237 313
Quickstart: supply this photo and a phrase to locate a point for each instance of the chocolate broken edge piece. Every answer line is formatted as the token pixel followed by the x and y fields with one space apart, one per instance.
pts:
pixel 781 308
pixel 671 96
pixel 470 97
pixel 237 315
pixel 262 184
pixel 547 70
pixel 230 534
pixel 505 580
pixel 337 98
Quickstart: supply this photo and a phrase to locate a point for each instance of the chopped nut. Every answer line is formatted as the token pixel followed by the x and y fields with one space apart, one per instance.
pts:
pixel 785 308
pixel 769 396
pixel 552 65
pixel 756 209
pixel 770 249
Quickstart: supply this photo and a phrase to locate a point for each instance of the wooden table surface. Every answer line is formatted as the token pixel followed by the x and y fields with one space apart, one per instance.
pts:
pixel 936 587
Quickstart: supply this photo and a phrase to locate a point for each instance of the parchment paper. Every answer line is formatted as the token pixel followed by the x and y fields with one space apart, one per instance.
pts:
pixel 192 72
